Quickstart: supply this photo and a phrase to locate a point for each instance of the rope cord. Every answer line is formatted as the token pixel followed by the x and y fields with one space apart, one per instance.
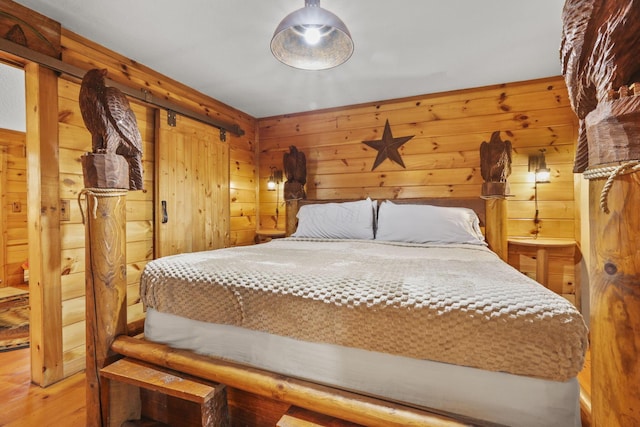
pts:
pixel 611 172
pixel 95 193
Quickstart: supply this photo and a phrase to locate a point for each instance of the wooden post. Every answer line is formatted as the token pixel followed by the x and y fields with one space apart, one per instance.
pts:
pixel 496 226
pixel 615 302
pixel 106 299
pixel 291 224
pixel 43 213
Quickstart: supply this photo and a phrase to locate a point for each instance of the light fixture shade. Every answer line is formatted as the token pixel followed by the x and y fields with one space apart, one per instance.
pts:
pixel 333 44
pixel 274 179
pixel 543 175
pixel 538 165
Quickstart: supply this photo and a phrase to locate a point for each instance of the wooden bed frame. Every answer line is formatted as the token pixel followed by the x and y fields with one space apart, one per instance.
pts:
pixel 255 397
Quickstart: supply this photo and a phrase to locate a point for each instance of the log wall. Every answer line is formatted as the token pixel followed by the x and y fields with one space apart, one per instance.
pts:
pixel 443 157
pixel 85 54
pixel 63 334
pixel 13 212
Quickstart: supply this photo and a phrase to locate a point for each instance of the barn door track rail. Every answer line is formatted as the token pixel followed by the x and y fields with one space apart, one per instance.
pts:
pixel 142 95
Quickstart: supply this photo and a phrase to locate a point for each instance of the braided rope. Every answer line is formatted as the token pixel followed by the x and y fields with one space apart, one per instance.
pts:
pixel 95 193
pixel 611 172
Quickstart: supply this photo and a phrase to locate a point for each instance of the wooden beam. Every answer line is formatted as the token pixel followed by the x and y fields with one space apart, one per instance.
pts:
pixel 43 217
pixel 141 94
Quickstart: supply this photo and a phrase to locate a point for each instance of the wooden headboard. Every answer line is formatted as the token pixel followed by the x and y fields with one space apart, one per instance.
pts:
pixel 491 212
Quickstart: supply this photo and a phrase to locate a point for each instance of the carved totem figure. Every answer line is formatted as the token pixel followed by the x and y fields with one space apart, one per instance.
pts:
pixel 599 53
pixel 108 116
pixel 495 165
pixel 295 169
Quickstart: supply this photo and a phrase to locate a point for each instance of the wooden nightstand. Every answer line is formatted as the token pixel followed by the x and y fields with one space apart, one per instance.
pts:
pixel 563 255
pixel 267 234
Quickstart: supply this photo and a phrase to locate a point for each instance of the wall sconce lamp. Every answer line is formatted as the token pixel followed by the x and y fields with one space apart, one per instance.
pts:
pixel 542 175
pixel 538 165
pixel 275 178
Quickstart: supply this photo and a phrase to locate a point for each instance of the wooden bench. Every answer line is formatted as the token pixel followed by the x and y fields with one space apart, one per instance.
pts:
pixel 161 395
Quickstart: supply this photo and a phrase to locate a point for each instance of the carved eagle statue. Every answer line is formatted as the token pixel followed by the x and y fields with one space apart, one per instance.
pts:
pixel 108 116
pixel 295 165
pixel 495 159
pixel 295 169
pixel 599 51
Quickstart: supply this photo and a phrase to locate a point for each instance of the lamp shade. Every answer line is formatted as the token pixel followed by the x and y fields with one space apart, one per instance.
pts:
pixel 312 38
pixel 543 175
pixel 274 178
pixel 538 165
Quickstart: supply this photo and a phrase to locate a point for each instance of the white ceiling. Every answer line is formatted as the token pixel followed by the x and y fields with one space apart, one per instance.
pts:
pixel 402 47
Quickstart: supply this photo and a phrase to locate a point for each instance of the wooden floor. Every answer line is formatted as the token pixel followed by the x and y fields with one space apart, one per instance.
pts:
pixel 24 404
pixel 63 404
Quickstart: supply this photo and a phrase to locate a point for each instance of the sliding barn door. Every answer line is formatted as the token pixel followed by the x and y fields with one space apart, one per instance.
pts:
pixel 192 198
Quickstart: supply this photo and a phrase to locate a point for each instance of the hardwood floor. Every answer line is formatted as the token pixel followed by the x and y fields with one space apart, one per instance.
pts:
pixel 23 404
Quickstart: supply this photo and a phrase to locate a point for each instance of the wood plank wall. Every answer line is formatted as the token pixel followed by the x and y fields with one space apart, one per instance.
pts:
pixel 75 140
pixel 13 176
pixel 442 159
pixel 83 53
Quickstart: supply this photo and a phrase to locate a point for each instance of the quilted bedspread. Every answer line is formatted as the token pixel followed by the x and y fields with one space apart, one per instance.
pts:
pixel 457 304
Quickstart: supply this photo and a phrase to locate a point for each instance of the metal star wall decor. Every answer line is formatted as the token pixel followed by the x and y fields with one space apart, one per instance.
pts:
pixel 388 147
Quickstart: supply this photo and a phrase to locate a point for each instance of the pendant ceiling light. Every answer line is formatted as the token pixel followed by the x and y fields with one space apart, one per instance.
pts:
pixel 312 38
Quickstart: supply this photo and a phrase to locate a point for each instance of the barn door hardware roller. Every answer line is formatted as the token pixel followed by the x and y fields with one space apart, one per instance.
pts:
pixel 171 118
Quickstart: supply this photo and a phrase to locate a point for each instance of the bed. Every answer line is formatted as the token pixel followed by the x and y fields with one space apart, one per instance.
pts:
pixel 400 305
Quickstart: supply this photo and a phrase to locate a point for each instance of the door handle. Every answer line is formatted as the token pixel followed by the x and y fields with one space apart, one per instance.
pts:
pixel 165 217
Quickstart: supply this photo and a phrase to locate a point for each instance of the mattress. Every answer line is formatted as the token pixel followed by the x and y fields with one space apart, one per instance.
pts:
pixel 457 304
pixel 490 398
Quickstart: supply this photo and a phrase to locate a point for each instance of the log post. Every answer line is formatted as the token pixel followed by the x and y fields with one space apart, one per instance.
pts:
pixel 106 287
pixel 615 302
pixel 496 226
pixel 292 207
pixel 599 55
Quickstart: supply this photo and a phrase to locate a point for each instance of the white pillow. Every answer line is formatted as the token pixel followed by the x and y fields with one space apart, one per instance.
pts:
pixel 428 224
pixel 346 220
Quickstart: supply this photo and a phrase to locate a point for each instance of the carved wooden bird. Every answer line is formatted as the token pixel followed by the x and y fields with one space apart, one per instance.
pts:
pixel 295 165
pixel 599 51
pixel 495 159
pixel 108 116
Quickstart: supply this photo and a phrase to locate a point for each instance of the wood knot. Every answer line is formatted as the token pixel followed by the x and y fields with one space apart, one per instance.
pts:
pixel 610 268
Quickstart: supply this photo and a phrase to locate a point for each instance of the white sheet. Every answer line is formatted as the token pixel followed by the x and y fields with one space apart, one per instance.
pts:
pixel 495 397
